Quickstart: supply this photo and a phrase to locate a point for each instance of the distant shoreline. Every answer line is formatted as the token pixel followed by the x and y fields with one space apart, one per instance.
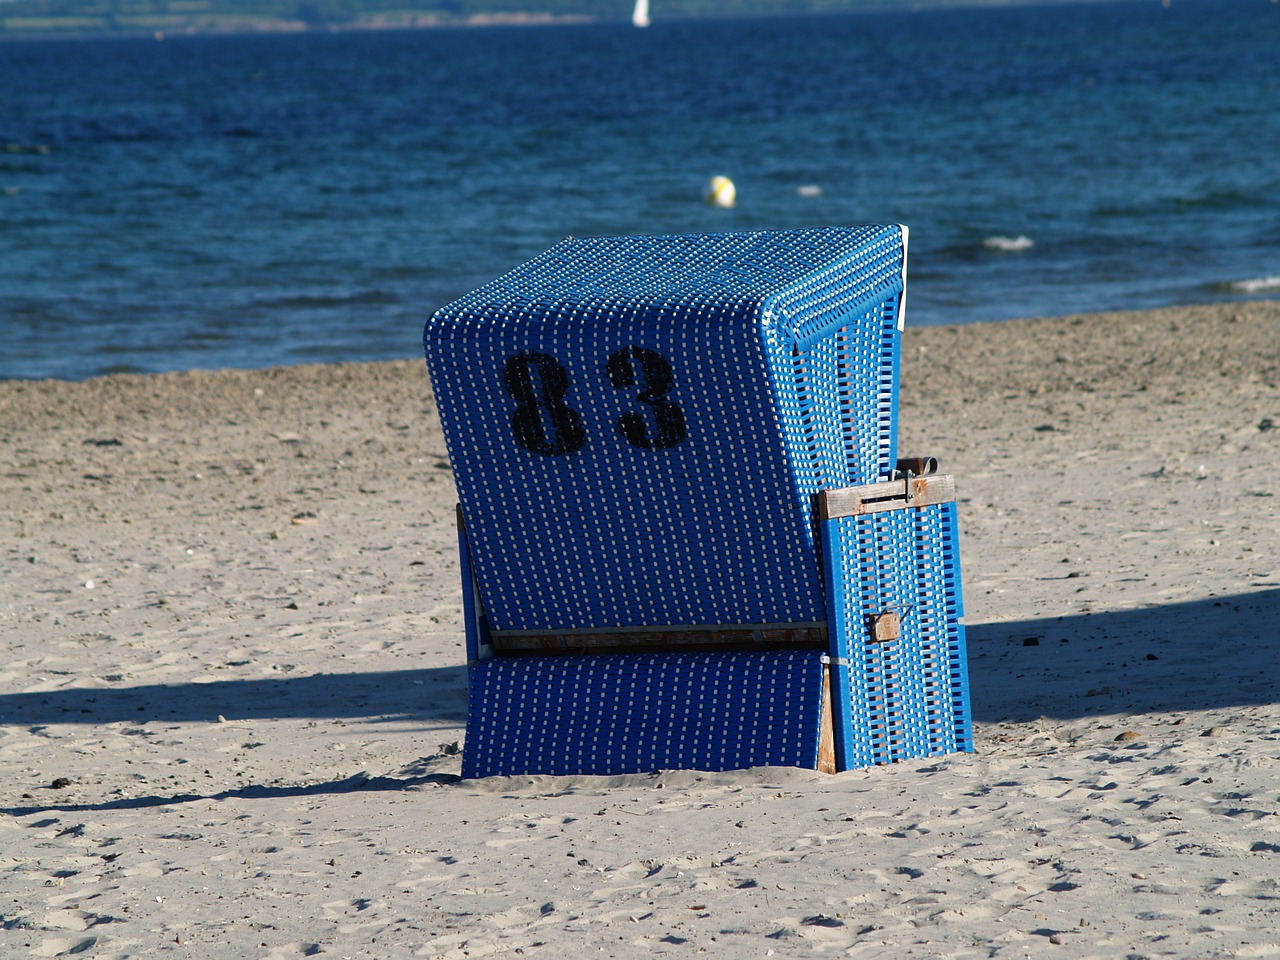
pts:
pixel 250 26
pixel 1014 337
pixel 168 26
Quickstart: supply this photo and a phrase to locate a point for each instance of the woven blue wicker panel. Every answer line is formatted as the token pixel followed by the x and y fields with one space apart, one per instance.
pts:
pixel 632 713
pixel 837 375
pixel 906 697
pixel 637 424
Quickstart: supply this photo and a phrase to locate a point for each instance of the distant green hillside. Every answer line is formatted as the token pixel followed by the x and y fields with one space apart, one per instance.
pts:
pixel 28 17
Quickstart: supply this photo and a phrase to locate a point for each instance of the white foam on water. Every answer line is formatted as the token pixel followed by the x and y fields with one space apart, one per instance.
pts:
pixel 1256 285
pixel 1009 244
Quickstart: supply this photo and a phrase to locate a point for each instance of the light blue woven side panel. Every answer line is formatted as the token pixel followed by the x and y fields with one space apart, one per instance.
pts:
pixel 833 345
pixel 615 714
pixel 714 528
pixel 905 698
pixel 962 719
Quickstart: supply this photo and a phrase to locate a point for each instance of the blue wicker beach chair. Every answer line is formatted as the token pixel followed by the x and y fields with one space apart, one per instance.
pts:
pixel 642 430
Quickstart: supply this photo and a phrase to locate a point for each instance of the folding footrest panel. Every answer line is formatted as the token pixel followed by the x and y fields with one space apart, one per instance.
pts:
pixel 609 714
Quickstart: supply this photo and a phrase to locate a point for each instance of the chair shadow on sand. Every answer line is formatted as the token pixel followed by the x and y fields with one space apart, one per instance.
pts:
pixel 433 695
pixel 1211 654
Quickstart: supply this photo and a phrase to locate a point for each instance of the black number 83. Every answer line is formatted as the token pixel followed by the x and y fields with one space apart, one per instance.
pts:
pixel 543 422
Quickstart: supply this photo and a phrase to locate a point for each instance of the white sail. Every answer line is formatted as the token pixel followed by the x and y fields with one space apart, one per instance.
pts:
pixel 640 16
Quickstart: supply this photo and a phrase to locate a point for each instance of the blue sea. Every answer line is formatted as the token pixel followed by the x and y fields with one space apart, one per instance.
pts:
pixel 248 201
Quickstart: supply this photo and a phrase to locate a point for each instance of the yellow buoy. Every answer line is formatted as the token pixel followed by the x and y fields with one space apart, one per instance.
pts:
pixel 720 192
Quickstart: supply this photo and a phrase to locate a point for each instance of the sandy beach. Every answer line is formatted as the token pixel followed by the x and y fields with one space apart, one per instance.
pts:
pixel 233 692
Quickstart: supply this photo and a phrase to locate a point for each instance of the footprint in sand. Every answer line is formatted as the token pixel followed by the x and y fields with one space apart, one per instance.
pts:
pixel 59 947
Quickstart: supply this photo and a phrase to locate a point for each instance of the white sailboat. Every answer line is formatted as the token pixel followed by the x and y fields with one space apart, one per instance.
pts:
pixel 640 16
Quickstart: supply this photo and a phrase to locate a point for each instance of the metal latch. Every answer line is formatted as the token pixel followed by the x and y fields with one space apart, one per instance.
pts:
pixel 908 467
pixel 886 495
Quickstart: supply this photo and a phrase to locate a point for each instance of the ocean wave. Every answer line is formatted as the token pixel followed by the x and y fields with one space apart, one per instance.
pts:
pixel 314 301
pixel 1256 285
pixel 1214 199
pixel 36 148
pixel 1009 244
